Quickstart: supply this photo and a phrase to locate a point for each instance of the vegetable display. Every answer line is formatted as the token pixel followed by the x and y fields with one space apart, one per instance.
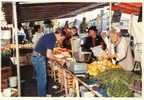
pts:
pixel 118 82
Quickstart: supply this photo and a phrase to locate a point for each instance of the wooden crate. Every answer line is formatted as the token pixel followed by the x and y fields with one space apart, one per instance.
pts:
pixel 6 72
pixel 4 84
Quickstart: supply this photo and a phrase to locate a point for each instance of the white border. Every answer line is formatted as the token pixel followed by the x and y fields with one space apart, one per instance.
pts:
pixel 96 98
pixel 45 1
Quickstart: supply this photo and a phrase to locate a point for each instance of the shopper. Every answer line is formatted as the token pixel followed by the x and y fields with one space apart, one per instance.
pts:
pixel 66 24
pixel 21 34
pixel 38 33
pixel 42 50
pixel 122 52
pixel 59 43
pixel 93 40
pixel 74 31
pixel 83 25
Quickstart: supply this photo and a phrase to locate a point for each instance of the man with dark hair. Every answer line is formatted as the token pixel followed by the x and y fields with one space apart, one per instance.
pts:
pixel 43 49
pixel 67 41
pixel 74 31
pixel 37 27
pixel 93 39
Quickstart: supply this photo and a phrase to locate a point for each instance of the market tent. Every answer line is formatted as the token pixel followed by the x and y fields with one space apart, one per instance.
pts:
pixel 129 8
pixel 22 12
pixel 40 11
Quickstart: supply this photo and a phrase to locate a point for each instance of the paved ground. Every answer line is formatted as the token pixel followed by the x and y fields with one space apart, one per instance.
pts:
pixel 28 88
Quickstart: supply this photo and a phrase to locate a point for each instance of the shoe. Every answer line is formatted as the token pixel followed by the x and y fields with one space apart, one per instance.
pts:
pixel 48 95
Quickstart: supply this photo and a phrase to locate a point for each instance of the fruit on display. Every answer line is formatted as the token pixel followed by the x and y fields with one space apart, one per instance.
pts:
pixel 27 46
pixel 62 52
pixel 12 46
pixel 97 67
pixel 59 49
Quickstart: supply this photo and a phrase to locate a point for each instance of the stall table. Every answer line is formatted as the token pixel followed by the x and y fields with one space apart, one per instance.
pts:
pixel 64 80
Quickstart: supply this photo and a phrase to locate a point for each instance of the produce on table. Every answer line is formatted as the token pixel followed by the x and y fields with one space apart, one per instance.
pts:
pixel 62 52
pixel 5 52
pixel 97 67
pixel 12 46
pixel 59 50
pixel 118 82
pixel 119 89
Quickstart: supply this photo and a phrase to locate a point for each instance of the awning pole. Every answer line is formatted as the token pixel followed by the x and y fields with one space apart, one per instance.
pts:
pixel 17 47
pixel 0 44
pixel 110 14
pixel 131 24
pixel 142 61
pixel 143 12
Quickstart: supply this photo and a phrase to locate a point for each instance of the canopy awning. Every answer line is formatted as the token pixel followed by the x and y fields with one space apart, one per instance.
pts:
pixel 128 8
pixel 41 11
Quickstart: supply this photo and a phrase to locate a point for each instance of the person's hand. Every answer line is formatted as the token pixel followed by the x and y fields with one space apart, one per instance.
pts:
pixel 113 56
pixel 62 62
pixel 104 54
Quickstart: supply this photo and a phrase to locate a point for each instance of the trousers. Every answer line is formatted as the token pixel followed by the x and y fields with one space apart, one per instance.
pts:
pixel 39 64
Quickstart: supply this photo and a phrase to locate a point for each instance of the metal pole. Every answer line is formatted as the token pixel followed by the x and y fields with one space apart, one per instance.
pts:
pixel 110 14
pixel 17 47
pixel 13 37
pixel 0 43
pixel 143 12
pixel 77 87
pixel 142 61
pixel 131 25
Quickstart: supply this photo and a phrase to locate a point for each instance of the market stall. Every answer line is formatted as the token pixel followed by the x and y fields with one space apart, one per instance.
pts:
pixel 80 76
pixel 100 78
pixel 110 80
pixel 18 15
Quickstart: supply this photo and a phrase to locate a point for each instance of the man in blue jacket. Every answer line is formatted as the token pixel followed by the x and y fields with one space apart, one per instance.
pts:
pixel 42 50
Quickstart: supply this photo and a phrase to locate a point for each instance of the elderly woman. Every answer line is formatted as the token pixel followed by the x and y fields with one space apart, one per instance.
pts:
pixel 121 53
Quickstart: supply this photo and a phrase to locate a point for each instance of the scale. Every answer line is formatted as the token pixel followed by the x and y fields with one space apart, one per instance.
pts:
pixel 78 68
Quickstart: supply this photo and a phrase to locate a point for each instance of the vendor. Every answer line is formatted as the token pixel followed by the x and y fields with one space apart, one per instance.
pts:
pixel 93 40
pixel 42 50
pixel 122 53
pixel 74 31
pixel 67 40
